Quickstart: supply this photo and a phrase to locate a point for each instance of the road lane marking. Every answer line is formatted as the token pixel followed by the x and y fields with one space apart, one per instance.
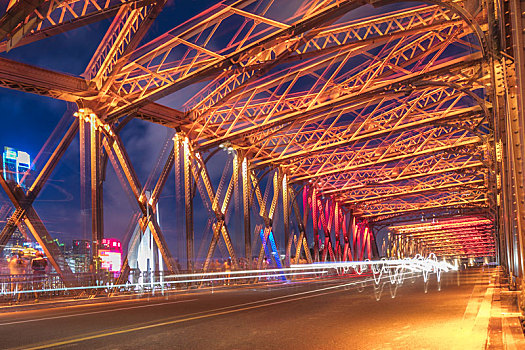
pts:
pixel 213 313
pixel 94 312
pixel 192 318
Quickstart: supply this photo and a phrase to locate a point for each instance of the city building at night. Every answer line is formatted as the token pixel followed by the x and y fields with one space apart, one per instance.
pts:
pixel 143 254
pixel 16 165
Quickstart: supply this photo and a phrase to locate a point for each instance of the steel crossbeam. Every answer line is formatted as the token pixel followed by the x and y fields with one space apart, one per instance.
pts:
pixel 465 234
pixel 400 147
pixel 445 199
pixel 29 21
pixel 429 184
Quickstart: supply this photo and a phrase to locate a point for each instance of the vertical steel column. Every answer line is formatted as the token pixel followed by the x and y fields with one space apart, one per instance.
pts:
pixel 373 243
pixel 188 193
pixel 337 229
pixel 355 237
pixel 178 192
pixel 305 224
pixel 517 123
pixel 286 219
pixel 97 223
pixel 83 174
pixel 347 252
pixel 497 16
pixel 315 224
pixel 246 196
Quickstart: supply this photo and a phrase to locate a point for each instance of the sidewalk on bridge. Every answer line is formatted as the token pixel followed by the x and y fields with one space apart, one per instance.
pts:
pixel 501 316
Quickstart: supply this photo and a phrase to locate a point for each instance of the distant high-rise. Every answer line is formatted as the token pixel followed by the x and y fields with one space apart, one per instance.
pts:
pixel 16 164
pixel 81 247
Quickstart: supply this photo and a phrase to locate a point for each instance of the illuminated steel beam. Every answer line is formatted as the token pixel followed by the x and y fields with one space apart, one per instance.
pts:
pixel 378 194
pixel 265 117
pixel 45 82
pixel 447 224
pixel 97 209
pixel 17 12
pixel 316 139
pixel 353 38
pixel 54 17
pixel 450 231
pixel 246 199
pixel 215 63
pixel 127 29
pixel 200 171
pixel 302 243
pixel 286 220
pixel 414 180
pixel 408 146
pixel 114 147
pixel 27 78
pixel 267 213
pixel 447 199
pixel 413 169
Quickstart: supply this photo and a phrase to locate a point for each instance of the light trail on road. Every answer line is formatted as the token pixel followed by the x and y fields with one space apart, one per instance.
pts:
pixel 218 312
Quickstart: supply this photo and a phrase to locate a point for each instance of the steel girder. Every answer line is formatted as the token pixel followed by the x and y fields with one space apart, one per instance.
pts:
pixel 465 236
pixel 29 21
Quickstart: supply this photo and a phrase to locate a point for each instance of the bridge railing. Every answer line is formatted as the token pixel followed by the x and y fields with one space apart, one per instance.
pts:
pixel 26 287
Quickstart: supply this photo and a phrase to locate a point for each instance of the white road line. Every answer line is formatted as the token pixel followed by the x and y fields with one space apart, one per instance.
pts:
pixel 209 313
pixel 94 312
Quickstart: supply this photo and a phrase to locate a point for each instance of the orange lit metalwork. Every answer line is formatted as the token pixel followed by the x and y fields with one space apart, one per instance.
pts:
pixel 371 117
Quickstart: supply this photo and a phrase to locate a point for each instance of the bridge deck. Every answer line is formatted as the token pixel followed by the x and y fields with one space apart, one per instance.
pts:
pixel 457 316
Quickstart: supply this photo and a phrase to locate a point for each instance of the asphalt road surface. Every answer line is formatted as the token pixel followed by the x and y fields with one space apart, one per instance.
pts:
pixel 343 314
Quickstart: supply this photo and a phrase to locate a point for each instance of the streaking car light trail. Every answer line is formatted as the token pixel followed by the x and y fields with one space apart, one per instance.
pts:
pixel 395 269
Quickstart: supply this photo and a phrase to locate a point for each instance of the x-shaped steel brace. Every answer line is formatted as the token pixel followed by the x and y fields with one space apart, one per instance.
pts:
pixel 200 171
pixel 25 212
pixel 347 251
pixel 118 157
pixel 326 228
pixel 38 230
pixel 267 215
pixel 301 223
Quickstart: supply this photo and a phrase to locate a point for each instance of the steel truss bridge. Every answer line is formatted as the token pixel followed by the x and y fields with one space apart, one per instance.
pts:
pixel 356 123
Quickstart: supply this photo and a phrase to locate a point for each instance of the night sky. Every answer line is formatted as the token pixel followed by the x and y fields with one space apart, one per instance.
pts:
pixel 29 119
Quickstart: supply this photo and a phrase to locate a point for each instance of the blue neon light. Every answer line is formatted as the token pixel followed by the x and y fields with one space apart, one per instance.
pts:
pixel 274 253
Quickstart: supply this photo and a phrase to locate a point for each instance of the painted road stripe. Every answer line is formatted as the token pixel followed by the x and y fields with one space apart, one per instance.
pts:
pixel 216 312
pixel 95 312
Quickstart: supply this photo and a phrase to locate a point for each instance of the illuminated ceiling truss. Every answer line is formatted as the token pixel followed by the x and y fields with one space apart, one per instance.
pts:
pixel 465 236
pixel 386 115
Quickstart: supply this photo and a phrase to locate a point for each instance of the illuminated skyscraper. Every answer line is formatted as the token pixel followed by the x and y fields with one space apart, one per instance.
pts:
pixel 15 164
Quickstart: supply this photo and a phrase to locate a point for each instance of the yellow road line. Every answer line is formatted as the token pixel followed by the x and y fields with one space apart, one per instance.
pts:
pixel 219 313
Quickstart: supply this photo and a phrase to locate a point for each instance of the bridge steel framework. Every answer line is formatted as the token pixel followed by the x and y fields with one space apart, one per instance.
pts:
pixel 355 122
